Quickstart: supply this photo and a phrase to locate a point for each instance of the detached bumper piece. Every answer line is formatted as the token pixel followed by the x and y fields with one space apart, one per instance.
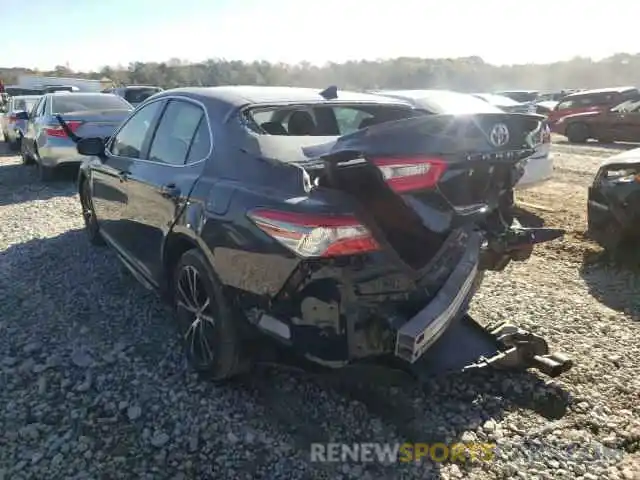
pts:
pixel 467 346
pixel 520 350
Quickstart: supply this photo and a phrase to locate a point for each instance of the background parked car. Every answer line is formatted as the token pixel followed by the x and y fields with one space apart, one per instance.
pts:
pixel 614 202
pixel 590 101
pixel 134 94
pixel 621 122
pixel 506 104
pixel 539 166
pixel 13 128
pixel 88 114
pixel 545 107
pixel 522 96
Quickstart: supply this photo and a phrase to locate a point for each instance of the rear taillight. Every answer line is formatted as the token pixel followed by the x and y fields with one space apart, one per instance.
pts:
pixel 13 118
pixel 315 235
pixel 57 131
pixel 407 174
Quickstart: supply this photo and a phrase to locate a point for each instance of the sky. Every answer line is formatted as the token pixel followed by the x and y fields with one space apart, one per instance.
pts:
pixel 89 34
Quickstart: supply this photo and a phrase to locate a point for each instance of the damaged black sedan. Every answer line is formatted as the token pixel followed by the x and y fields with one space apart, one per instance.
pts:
pixel 614 202
pixel 344 227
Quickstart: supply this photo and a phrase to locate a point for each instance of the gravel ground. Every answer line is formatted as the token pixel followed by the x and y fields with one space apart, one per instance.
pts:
pixel 92 384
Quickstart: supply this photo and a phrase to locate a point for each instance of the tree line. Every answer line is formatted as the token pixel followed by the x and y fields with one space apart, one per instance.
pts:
pixel 462 74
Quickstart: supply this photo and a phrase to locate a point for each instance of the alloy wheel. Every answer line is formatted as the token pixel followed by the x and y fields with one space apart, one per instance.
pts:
pixel 195 313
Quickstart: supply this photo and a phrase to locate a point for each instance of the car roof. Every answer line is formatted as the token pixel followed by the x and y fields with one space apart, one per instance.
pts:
pixel 242 95
pixel 25 97
pixel 139 87
pixel 601 90
pixel 417 94
pixel 66 92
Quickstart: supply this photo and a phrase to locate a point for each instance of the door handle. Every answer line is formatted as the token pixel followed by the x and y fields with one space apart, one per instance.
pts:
pixel 169 191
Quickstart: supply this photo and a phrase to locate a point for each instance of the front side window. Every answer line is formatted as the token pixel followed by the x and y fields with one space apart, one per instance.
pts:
pixel 129 140
pixel 175 132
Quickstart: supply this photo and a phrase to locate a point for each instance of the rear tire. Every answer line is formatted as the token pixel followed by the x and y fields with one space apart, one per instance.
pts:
pixel 89 215
pixel 26 158
pixel 578 133
pixel 210 331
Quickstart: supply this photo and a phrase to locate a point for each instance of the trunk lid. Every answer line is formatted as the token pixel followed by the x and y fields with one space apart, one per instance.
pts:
pixel 464 167
pixel 96 123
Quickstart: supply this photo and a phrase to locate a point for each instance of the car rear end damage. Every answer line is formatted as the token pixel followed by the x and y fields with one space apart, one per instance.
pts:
pixel 390 242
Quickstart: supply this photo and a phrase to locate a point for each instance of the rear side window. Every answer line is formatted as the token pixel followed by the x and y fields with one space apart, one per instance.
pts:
pixel 129 140
pixel 75 103
pixel 201 144
pixel 176 131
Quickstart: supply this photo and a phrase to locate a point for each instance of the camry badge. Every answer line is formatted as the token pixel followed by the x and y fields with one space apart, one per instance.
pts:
pixel 499 135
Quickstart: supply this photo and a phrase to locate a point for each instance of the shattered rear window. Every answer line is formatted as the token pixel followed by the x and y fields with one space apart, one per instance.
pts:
pixel 322 120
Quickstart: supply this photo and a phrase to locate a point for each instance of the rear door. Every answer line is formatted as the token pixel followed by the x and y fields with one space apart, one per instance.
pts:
pixel 159 185
pixel 109 178
pixel 628 125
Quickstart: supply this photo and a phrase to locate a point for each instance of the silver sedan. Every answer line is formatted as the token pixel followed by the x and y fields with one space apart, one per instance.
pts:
pixel 47 144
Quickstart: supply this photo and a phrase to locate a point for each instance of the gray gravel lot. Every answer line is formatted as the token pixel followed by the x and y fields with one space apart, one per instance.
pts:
pixel 92 383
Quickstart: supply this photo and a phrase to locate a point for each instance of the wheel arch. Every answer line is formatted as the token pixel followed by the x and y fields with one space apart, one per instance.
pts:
pixel 176 243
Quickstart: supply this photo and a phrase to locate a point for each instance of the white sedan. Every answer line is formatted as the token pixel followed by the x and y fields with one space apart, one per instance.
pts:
pixel 539 167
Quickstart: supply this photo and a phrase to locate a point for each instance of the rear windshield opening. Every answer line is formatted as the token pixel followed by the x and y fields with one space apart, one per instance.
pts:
pixel 99 101
pixel 323 120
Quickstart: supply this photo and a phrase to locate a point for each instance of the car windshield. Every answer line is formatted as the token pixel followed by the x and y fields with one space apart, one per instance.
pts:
pixel 139 95
pixel 24 104
pixel 79 102
pixel 520 96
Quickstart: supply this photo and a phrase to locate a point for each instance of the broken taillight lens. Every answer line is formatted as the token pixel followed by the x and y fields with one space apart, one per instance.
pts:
pixel 407 174
pixel 57 131
pixel 315 235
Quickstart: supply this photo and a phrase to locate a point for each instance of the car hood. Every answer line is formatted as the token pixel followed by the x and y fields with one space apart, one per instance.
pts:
pixel 624 158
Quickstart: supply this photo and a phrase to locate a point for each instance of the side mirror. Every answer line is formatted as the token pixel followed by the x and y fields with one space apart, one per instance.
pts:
pixel 22 115
pixel 91 146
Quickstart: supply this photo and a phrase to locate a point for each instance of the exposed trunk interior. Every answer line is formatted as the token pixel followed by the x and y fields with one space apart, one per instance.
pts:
pixel 400 225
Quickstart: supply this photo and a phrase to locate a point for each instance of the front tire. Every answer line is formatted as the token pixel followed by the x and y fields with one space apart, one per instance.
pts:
pixel 209 329
pixel 578 133
pixel 89 215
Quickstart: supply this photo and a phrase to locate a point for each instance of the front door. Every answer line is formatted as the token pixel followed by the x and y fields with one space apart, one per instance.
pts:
pixel 159 185
pixel 110 179
pixel 33 126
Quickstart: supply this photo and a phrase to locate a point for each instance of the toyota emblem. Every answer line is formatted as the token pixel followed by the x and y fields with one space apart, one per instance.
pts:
pixel 499 135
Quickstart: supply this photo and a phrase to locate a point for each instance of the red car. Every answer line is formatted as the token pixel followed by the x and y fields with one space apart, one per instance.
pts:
pixel 589 101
